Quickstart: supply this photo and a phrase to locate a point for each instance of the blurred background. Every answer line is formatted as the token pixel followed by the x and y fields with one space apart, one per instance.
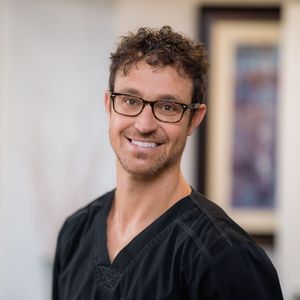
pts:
pixel 54 151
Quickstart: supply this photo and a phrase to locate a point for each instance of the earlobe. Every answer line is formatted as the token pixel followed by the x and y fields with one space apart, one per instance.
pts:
pixel 197 118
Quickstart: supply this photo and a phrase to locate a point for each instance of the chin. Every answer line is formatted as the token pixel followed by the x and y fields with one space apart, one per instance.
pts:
pixel 142 172
pixel 147 172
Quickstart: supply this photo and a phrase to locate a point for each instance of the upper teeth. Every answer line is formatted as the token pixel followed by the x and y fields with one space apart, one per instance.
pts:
pixel 144 144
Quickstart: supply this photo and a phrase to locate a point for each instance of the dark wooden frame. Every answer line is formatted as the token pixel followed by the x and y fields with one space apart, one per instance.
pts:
pixel 207 16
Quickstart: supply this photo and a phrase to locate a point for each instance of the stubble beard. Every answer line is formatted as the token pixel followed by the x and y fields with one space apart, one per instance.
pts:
pixel 132 163
pixel 158 166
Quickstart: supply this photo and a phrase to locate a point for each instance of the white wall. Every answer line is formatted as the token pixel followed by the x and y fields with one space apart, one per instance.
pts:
pixel 55 155
pixel 54 151
pixel 289 153
pixel 3 129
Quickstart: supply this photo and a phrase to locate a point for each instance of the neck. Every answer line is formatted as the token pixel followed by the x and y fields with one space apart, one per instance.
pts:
pixel 140 200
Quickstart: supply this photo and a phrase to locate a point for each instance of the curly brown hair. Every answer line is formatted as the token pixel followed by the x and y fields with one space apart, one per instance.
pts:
pixel 159 48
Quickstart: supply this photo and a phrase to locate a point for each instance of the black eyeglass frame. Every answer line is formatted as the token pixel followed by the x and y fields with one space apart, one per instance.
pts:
pixel 185 107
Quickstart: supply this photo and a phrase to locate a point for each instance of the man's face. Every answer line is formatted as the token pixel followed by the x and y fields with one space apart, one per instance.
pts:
pixel 144 145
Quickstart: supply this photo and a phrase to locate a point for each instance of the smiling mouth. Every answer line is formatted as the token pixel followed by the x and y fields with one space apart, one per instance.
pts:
pixel 144 144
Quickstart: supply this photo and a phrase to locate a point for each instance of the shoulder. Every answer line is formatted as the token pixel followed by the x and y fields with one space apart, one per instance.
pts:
pixel 213 236
pixel 213 227
pixel 227 260
pixel 81 221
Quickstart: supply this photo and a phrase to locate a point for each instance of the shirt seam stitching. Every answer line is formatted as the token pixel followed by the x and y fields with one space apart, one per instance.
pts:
pixel 213 221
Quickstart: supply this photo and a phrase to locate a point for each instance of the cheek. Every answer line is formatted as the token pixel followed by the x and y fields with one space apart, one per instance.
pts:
pixel 178 133
pixel 118 123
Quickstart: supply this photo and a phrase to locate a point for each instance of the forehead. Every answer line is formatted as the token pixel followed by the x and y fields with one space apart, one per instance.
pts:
pixel 154 81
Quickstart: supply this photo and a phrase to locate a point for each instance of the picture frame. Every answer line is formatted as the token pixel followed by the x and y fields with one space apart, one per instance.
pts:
pixel 232 163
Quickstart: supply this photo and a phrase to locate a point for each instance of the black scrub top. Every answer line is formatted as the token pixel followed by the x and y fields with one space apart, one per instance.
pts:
pixel 192 251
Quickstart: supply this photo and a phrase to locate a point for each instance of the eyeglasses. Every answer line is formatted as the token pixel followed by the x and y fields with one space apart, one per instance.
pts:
pixel 163 110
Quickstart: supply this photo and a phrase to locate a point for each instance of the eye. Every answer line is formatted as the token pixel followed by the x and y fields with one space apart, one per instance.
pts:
pixel 131 101
pixel 167 107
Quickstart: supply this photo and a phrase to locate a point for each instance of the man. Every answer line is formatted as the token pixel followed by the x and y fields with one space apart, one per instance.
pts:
pixel 154 237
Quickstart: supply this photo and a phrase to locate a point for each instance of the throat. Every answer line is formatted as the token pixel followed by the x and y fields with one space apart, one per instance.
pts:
pixel 138 204
pixel 120 234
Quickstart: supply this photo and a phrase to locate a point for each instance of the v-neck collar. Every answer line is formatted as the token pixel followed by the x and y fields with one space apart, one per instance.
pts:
pixel 129 252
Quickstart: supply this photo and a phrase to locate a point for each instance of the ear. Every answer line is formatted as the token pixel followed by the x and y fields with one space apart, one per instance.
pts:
pixel 197 118
pixel 107 102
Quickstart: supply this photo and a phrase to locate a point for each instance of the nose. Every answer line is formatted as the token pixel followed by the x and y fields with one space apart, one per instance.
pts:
pixel 145 122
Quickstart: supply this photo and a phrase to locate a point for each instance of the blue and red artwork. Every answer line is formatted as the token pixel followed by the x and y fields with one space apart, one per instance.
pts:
pixel 254 146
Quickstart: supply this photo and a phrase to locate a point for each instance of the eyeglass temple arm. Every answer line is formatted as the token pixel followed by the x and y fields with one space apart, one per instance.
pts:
pixel 194 105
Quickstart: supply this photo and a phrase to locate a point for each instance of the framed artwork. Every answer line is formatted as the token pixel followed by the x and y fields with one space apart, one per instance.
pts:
pixel 240 133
